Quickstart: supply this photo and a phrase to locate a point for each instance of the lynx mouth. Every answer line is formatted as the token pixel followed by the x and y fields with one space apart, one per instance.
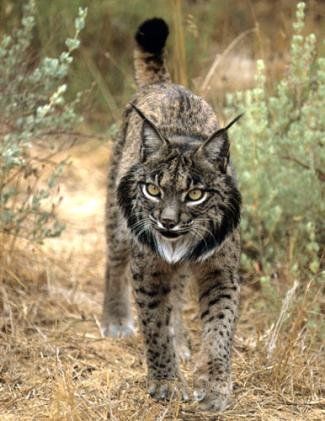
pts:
pixel 171 234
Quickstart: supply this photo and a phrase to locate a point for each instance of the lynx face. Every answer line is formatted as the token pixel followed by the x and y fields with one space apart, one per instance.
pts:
pixel 180 199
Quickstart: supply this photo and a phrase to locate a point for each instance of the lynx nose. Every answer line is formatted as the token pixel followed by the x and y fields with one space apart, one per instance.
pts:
pixel 168 223
pixel 169 217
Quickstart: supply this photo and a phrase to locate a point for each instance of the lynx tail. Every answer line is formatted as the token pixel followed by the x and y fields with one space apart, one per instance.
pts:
pixel 149 54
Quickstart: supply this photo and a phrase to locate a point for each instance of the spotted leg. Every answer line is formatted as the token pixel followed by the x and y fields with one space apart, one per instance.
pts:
pixel 218 298
pixel 151 280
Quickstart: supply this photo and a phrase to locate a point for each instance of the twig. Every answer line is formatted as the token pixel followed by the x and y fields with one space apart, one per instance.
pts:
pixel 72 133
pixel 101 83
pixel 320 174
pixel 218 58
pixel 282 316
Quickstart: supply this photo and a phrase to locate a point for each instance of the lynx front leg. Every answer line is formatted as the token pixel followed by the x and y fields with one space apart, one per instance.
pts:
pixel 151 280
pixel 218 296
pixel 116 318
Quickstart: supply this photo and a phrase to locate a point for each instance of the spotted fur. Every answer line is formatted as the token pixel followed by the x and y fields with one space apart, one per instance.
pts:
pixel 173 210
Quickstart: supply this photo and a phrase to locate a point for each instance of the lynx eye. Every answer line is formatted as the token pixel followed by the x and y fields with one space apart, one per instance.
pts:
pixel 152 189
pixel 195 195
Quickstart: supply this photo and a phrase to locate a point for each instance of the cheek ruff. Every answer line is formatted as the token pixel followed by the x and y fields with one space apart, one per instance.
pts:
pixel 172 251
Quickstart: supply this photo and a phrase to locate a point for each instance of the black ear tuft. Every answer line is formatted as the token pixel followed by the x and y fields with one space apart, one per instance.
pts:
pixel 152 34
pixel 216 147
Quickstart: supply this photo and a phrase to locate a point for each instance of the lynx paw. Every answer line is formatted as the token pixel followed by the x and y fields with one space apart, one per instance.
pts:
pixel 182 344
pixel 184 352
pixel 212 395
pixel 117 328
pixel 160 389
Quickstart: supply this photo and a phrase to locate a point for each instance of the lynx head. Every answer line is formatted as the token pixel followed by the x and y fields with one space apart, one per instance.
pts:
pixel 181 199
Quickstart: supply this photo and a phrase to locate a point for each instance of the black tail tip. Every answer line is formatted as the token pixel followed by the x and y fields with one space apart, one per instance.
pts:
pixel 152 34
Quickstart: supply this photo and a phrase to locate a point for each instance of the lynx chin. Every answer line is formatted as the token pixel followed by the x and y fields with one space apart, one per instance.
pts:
pixel 173 211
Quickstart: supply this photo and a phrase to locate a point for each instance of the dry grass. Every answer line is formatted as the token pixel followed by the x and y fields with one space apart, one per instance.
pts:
pixel 54 364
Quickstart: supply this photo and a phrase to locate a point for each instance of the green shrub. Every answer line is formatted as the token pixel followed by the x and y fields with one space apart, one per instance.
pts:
pixel 32 108
pixel 279 153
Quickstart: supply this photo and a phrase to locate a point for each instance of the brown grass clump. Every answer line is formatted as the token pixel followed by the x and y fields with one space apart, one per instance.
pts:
pixel 54 364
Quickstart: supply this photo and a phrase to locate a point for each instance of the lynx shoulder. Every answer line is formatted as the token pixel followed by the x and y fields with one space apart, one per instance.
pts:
pixel 173 210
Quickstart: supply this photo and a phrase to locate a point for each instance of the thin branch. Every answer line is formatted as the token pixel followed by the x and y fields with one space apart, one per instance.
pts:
pixel 72 133
pixel 320 174
pixel 220 57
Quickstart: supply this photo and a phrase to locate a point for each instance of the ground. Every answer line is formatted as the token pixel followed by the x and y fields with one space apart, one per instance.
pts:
pixel 55 365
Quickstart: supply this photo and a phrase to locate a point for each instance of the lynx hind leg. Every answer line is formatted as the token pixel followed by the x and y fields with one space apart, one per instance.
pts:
pixel 117 316
pixel 181 337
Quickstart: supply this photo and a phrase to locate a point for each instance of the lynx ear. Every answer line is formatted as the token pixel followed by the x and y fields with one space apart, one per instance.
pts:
pixel 216 147
pixel 152 139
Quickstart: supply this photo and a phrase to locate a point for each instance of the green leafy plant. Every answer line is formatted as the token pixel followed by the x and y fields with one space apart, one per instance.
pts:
pixel 279 153
pixel 32 109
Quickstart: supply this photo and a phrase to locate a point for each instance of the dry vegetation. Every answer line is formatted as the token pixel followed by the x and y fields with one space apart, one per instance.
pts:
pixel 55 365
